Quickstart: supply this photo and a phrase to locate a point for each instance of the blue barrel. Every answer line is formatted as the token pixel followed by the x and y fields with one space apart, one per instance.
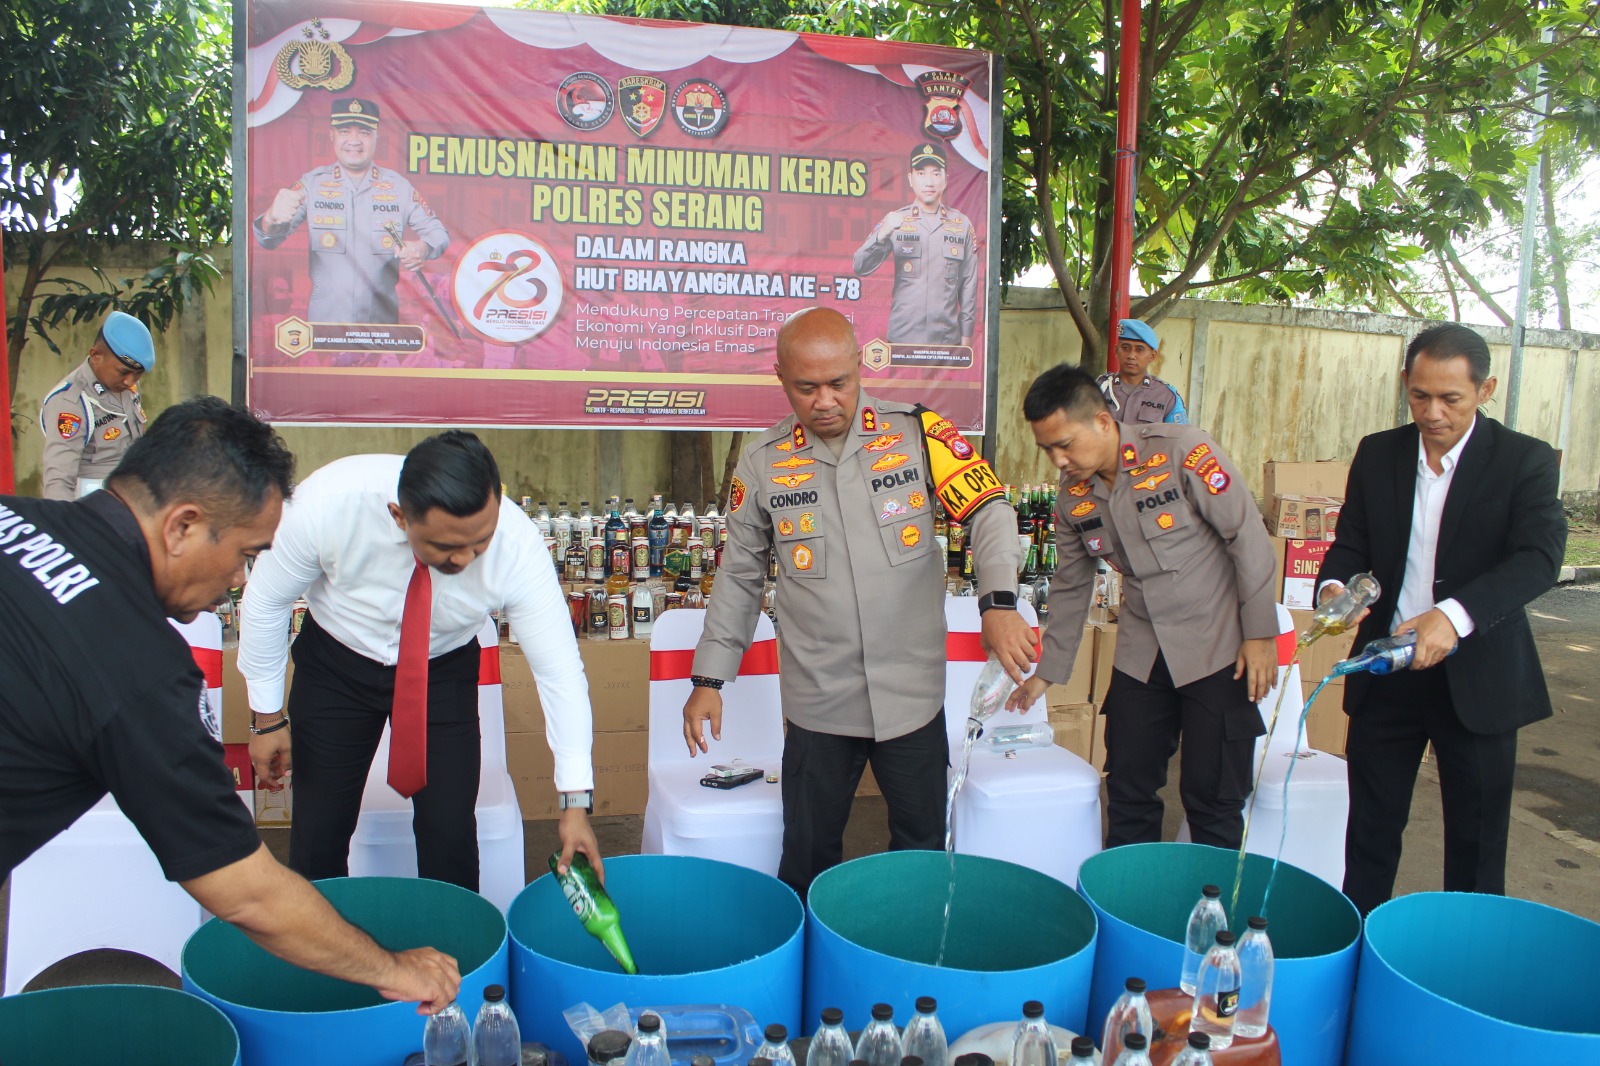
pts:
pixel 1143 893
pixel 291 1016
pixel 1015 934
pixel 702 932
pixel 130 1025
pixel 1449 976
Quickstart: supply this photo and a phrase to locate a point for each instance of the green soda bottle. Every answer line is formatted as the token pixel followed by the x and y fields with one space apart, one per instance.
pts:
pixel 593 907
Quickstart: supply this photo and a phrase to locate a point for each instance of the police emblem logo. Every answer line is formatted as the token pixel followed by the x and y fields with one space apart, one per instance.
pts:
pixel 1080 489
pixel 1152 481
pixel 808 522
pixel 792 481
pixel 1082 509
pixel 793 462
pixel 1165 520
pixel 943 90
pixel 892 509
pixel 910 536
pixel 785 527
pixel 884 442
pixel 735 495
pixel 916 501
pixel 314 61
pixel 700 108
pixel 802 556
pixel 945 431
pixel 68 425
pixel 1217 481
pixel 644 102
pixel 890 461
pixel 585 100
pixel 111 433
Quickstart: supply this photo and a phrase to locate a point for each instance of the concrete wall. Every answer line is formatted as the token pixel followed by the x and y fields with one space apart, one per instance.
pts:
pixel 1270 383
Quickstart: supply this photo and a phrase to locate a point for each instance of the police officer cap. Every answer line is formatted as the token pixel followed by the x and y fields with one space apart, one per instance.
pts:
pixel 354 112
pixel 1131 329
pixel 129 339
pixel 926 153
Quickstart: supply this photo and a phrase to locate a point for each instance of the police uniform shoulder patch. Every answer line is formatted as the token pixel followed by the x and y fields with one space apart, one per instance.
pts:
pixel 962 480
pixel 68 425
pixel 1194 458
pixel 1211 473
pixel 736 495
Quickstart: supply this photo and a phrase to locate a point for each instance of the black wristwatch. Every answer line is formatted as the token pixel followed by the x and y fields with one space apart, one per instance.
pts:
pixel 1005 601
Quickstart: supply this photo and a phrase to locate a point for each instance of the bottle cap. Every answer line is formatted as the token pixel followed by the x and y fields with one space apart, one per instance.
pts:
pixel 911 1060
pixel 971 1058
pixel 1033 1009
pixel 1082 1047
pixel 1257 922
pixel 1135 1042
pixel 1135 984
pixel 608 1046
pixel 832 1016
pixel 494 994
pixel 1200 1041
pixel 649 1023
pixel 777 1034
pixel 882 1012
pixel 760 1061
pixel 927 1004
pixel 1211 892
pixel 1225 938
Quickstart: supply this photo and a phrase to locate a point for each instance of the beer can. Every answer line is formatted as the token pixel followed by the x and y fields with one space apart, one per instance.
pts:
pixel 641 558
pixel 578 609
pixel 708 534
pixel 697 558
pixel 722 531
pixel 298 618
pixel 597 559
pixel 599 621
pixel 617 616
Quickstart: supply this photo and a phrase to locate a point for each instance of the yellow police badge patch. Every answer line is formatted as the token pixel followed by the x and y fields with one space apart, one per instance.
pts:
pixel 792 481
pixel 808 523
pixel 802 556
pixel 1164 520
pixel 1082 509
pixel 910 535
pixel 785 527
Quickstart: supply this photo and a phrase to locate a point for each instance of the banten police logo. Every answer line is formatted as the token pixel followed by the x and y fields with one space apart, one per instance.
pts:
pixel 700 108
pixel 944 90
pixel 644 102
pixel 585 101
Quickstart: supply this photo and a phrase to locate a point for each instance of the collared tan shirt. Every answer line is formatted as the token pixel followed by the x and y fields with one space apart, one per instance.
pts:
pixel 1196 562
pixel 87 430
pixel 860 576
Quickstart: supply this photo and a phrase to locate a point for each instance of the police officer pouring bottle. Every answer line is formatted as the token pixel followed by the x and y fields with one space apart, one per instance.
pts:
pixel 92 416
pixel 843 491
pixel 353 210
pixel 1196 638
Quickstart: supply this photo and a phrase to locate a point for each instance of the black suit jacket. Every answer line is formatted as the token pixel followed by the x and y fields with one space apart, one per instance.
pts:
pixel 1501 540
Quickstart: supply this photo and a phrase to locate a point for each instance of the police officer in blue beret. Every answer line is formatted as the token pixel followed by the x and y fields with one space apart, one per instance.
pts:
pixel 91 417
pixel 1133 394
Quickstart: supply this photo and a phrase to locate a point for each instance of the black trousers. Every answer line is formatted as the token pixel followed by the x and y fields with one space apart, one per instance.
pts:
pixel 1402 713
pixel 820 775
pixel 1144 720
pixel 339 702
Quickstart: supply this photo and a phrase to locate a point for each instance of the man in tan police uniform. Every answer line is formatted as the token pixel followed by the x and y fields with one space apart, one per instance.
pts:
pixel 935 251
pixel 91 417
pixel 1196 637
pixel 357 213
pixel 843 491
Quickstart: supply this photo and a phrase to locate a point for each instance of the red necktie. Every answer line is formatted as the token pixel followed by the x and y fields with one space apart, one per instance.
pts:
pixel 408 722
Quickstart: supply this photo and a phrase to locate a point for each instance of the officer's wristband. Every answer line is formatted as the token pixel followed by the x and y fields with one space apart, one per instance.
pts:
pixel 273 728
pixel 706 682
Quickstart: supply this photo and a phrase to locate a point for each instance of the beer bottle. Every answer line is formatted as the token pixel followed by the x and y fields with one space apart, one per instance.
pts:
pixel 593 907
pixel 1024 510
pixel 1030 565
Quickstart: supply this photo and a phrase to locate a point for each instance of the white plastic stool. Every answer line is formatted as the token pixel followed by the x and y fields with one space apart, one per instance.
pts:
pixel 1040 809
pixel 98 884
pixel 741 825
pixel 384 844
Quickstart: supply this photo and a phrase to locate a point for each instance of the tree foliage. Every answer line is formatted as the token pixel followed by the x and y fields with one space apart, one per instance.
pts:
pixel 114 128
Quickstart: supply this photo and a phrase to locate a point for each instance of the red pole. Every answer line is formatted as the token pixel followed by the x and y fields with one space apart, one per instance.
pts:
pixel 1126 174
pixel 8 478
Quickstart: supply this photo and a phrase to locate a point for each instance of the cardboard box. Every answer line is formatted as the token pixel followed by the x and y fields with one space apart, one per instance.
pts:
pixel 1097 749
pixel 618 672
pixel 1304 479
pixel 620 780
pixel 1303 517
pixel 236 701
pixel 1079 688
pixel 1327 724
pixel 1105 654
pixel 236 757
pixel 1074 726
pixel 1298 564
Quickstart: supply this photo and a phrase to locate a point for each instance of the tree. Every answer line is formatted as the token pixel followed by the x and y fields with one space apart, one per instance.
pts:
pixel 1288 149
pixel 115 128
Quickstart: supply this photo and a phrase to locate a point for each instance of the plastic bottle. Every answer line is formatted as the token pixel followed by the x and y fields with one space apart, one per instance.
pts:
pixel 924 1037
pixel 989 694
pixel 649 1047
pixel 1217 1001
pixel 541 518
pixel 880 1043
pixel 1129 1014
pixel 1082 1052
pixel 643 610
pixel 496 1040
pixel 1198 1053
pixel 1032 735
pixel 1255 980
pixel 1205 922
pixel 775 1049
pixel 830 1046
pixel 447 1039
pixel 1137 1051
pixel 1035 1044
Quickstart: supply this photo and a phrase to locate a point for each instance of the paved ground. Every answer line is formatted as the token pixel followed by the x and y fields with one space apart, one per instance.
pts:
pixel 1555 829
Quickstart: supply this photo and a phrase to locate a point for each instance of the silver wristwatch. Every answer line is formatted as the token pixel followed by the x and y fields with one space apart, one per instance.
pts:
pixel 583 801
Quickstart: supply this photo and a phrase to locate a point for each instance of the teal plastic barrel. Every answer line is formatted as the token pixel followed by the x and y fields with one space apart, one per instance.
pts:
pixel 1143 893
pixel 1015 935
pixel 1448 976
pixel 701 932
pixel 291 1016
pixel 130 1025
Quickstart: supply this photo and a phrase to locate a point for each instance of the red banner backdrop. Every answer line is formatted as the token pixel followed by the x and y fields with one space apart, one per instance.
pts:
pixel 514 218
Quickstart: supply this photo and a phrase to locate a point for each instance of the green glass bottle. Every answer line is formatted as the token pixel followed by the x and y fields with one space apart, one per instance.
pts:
pixel 593 907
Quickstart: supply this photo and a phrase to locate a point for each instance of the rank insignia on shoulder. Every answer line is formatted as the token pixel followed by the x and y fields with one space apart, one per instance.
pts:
pixel 1080 489
pixel 799 435
pixel 869 420
pixel 792 481
pixel 1193 459
pixel 1130 455
pixel 1164 520
pixel 1082 509
pixel 1152 481
pixel 735 495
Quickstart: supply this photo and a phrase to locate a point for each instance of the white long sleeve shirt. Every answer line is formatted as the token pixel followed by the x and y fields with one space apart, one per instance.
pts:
pixel 338 546
pixel 1427 510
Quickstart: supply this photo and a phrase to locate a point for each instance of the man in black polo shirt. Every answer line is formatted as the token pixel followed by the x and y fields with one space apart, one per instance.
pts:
pixel 101 694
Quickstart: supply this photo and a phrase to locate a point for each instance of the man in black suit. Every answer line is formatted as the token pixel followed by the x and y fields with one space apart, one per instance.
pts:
pixel 1459 519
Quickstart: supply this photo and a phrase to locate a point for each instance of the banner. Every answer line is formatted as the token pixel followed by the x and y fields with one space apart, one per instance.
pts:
pixel 495 217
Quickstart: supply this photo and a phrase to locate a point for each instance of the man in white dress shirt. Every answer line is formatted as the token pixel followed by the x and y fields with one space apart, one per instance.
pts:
pixel 400 560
